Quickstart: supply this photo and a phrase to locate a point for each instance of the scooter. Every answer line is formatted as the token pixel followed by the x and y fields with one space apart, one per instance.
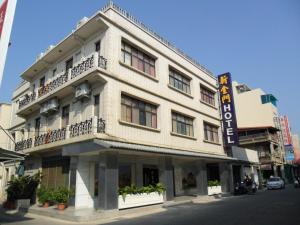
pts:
pixel 240 188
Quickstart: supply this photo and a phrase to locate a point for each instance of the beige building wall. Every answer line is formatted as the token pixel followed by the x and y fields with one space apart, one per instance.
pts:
pixel 250 111
pixel 124 79
pixel 5 118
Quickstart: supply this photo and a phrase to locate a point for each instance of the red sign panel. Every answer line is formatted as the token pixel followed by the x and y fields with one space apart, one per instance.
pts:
pixel 2 15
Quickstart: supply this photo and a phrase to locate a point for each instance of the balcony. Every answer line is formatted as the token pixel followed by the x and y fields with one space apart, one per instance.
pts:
pixel 270 158
pixel 63 85
pixel 90 126
pixel 260 137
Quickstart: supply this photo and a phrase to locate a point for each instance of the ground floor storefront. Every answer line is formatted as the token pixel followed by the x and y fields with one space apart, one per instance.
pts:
pixel 97 172
pixel 272 169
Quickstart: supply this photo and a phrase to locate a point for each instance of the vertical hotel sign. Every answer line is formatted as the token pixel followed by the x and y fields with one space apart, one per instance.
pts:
pixel 7 11
pixel 228 111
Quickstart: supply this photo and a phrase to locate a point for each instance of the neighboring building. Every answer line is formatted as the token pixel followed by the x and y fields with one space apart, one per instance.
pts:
pixel 247 164
pixel 296 148
pixel 9 159
pixel 114 104
pixel 259 127
pixel 5 114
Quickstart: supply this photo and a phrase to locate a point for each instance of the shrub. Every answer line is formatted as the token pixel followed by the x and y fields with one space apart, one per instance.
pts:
pixel 159 188
pixel 22 187
pixel 62 195
pixel 45 194
pixel 212 183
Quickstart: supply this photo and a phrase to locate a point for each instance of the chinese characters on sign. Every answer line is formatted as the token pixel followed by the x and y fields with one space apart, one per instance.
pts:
pixel 228 111
pixel 2 15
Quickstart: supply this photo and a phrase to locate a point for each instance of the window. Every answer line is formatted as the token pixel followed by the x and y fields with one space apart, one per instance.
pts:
pixel 182 124
pixel 138 112
pixel 124 176
pixel 211 133
pixel 96 105
pixel 137 59
pixel 37 126
pixel 54 72
pixel 42 82
pixel 207 95
pixel 65 116
pixel 179 82
pixel 97 46
pixel 69 64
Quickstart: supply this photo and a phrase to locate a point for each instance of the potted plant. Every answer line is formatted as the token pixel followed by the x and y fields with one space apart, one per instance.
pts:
pixel 45 196
pixel 21 190
pixel 132 196
pixel 61 196
pixel 214 187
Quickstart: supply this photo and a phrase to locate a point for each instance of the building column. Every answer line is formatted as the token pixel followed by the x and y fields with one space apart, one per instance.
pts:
pixel 83 196
pixel 226 177
pixel 108 181
pixel 201 178
pixel 166 176
pixel 139 173
pixel 274 168
pixel 72 171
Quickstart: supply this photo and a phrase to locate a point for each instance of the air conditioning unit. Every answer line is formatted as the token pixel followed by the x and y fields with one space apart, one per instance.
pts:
pixel 82 91
pixel 53 105
pixel 44 109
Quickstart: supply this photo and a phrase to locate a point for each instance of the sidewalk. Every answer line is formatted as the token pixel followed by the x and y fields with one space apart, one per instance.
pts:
pixel 88 215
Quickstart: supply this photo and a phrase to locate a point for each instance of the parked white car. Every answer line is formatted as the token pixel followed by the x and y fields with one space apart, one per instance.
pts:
pixel 275 183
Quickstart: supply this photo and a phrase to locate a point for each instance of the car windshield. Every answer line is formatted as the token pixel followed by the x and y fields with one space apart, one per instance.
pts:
pixel 274 179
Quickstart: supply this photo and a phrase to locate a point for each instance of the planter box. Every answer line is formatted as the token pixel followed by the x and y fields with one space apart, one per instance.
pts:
pixel 140 200
pixel 214 190
pixel 23 203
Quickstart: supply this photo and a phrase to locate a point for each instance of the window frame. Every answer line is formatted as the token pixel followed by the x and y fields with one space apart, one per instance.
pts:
pixel 138 111
pixel 211 132
pixel 141 59
pixel 182 79
pixel 183 122
pixel 208 99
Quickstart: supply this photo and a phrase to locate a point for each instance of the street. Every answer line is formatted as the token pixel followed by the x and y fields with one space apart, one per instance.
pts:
pixel 268 207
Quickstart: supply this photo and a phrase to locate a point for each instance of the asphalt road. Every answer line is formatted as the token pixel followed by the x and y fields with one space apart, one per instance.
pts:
pixel 276 207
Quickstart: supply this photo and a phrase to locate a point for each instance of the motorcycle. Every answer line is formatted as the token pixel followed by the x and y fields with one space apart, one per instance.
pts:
pixel 240 188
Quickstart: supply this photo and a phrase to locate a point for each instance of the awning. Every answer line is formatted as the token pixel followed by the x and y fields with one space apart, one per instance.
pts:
pixel 98 144
pixel 8 155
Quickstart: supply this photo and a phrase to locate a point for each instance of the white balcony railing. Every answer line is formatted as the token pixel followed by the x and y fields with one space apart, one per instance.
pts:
pixel 90 126
pixel 76 70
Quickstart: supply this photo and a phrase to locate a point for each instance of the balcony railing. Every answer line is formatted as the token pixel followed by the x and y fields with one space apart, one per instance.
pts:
pixel 75 130
pixel 21 145
pixel 27 99
pixel 53 85
pixel 77 70
pixel 259 137
pixel 81 128
pixel 51 136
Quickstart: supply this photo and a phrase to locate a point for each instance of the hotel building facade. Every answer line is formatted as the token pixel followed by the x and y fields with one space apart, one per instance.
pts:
pixel 114 104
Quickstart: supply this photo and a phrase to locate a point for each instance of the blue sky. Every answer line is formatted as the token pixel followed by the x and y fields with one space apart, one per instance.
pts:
pixel 257 41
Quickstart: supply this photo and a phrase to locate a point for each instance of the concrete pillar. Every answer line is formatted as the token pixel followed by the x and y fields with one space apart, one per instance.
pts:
pixel 226 177
pixel 201 178
pixel 108 181
pixel 166 176
pixel 83 196
pixel 73 169
pixel 139 173
pixel 274 168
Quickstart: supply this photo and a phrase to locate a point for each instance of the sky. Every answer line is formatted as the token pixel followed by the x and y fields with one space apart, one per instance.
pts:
pixel 257 41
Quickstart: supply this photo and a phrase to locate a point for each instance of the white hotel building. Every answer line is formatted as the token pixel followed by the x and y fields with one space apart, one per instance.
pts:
pixel 114 104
